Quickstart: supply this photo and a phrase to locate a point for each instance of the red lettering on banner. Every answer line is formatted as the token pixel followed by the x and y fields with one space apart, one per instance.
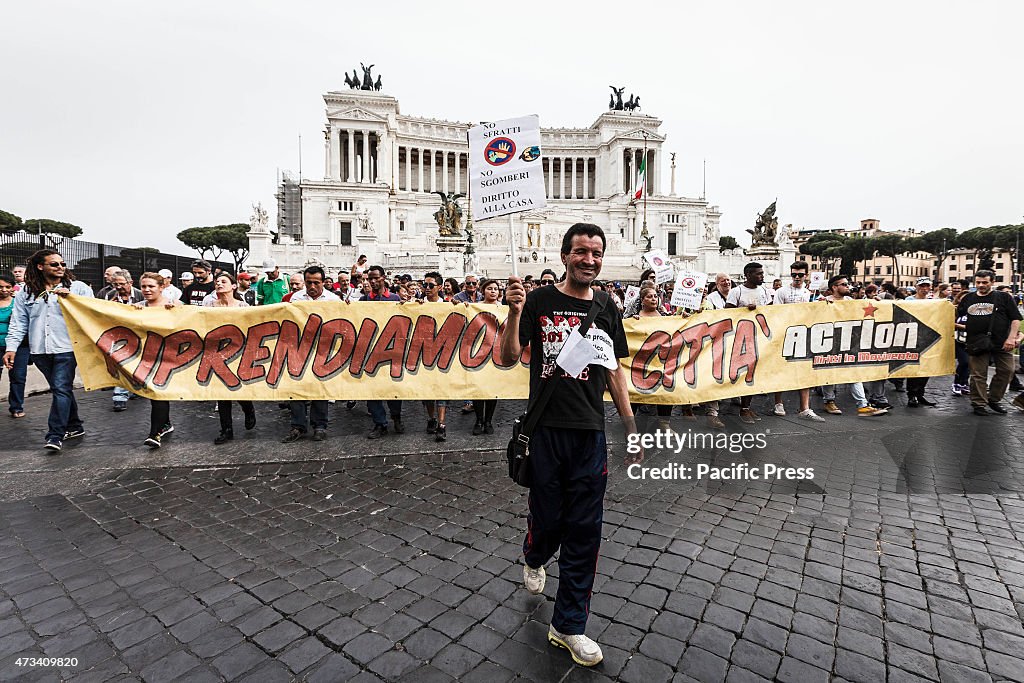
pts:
pixel 695 335
pixel 643 379
pixel 430 347
pixel 483 327
pixel 367 331
pixel 293 350
pixel 180 349
pixel 220 347
pixel 325 363
pixel 118 346
pixel 390 346
pixel 670 353
pixel 150 357
pixel 744 351
pixel 250 366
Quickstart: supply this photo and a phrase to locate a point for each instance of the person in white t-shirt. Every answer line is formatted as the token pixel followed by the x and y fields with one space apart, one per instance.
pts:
pixel 723 285
pixel 751 293
pixel 796 292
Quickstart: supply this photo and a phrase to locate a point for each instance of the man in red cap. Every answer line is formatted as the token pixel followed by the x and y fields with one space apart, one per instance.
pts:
pixel 245 288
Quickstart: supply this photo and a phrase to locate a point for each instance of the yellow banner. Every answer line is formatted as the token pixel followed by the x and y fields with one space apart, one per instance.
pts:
pixel 366 350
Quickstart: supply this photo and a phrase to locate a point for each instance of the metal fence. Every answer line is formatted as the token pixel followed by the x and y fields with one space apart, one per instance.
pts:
pixel 88 260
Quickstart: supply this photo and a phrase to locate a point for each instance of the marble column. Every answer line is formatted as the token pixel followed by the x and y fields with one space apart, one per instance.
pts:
pixel 586 177
pixel 351 170
pixel 551 178
pixel 433 170
pixel 572 177
pixel 328 137
pixel 419 185
pixel 627 163
pixel 408 169
pixel 365 176
pixel 458 174
pixel 651 176
pixel 444 171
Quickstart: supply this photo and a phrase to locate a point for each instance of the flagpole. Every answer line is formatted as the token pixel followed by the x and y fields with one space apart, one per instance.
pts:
pixel 644 235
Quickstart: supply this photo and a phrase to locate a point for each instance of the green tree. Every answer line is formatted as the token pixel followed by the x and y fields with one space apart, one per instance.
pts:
pixel 891 245
pixel 1009 238
pixel 217 239
pixel 727 242
pixel 47 226
pixel 935 242
pixel 827 246
pixel 9 223
pixel 853 250
pixel 982 240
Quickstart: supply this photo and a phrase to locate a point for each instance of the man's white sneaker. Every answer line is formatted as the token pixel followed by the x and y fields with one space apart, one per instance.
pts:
pixel 780 410
pixel 810 415
pixel 584 651
pixel 534 579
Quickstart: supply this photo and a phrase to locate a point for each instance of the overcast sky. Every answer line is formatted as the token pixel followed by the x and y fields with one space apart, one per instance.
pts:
pixel 136 120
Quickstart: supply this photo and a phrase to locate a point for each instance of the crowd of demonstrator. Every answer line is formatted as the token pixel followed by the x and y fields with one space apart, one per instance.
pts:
pixel 32 331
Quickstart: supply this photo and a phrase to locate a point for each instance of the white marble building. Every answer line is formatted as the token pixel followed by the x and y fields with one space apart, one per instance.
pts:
pixel 381 166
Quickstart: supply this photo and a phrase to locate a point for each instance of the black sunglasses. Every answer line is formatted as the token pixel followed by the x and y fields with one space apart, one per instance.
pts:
pixel 55 264
pixel 798 274
pixel 547 282
pixel 431 285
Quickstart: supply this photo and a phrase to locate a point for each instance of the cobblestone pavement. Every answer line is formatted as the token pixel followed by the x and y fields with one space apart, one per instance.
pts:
pixel 397 559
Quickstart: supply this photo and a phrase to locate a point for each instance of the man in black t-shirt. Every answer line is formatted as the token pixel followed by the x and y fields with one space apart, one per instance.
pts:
pixel 568 451
pixel 985 310
pixel 202 284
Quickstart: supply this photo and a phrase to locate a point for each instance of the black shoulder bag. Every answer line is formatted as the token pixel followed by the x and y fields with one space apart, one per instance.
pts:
pixel 982 344
pixel 518 450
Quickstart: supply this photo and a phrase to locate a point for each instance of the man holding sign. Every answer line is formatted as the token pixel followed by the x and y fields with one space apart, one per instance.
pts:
pixel 568 451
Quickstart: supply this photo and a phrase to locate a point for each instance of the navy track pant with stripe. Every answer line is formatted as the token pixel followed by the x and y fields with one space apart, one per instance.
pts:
pixel 570 473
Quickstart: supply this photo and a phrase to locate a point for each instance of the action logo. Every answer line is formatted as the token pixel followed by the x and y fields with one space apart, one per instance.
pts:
pixel 861 342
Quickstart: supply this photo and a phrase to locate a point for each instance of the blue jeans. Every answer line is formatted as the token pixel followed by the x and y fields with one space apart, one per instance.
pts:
pixel 828 392
pixel 317 414
pixel 380 417
pixel 17 377
pixel 59 371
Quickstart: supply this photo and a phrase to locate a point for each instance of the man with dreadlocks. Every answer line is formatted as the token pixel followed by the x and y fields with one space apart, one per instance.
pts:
pixel 37 315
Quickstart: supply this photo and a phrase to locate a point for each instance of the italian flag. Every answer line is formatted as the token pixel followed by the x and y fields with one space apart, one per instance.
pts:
pixel 641 179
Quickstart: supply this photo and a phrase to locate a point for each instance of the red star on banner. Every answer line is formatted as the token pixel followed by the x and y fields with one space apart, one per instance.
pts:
pixel 869 311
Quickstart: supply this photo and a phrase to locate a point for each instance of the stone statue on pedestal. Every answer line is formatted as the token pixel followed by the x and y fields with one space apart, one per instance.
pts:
pixel 258 220
pixel 766 228
pixel 449 216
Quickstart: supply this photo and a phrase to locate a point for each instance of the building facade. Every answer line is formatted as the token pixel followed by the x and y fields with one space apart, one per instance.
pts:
pixel 381 168
pixel 960 264
pixel 909 265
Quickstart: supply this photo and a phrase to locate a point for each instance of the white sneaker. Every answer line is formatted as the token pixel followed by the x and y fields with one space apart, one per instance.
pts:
pixel 534 579
pixel 780 410
pixel 584 651
pixel 810 415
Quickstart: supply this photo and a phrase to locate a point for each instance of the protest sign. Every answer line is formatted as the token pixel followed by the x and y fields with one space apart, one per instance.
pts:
pixel 688 291
pixel 660 264
pixel 818 281
pixel 360 351
pixel 505 172
pixel 632 293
